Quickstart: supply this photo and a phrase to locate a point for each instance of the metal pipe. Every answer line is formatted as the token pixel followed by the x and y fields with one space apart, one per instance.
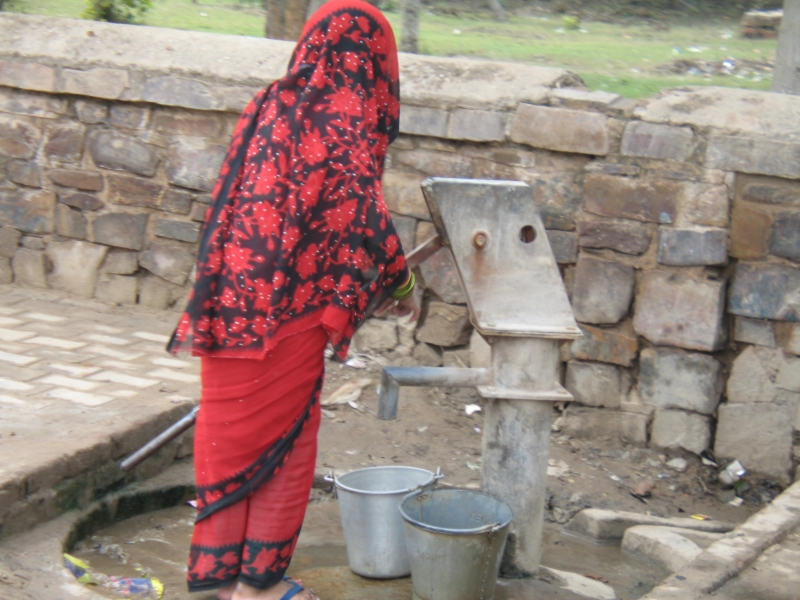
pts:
pixel 393 377
pixel 161 440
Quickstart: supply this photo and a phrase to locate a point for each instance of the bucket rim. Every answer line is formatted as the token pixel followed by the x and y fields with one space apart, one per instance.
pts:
pixel 405 491
pixel 491 528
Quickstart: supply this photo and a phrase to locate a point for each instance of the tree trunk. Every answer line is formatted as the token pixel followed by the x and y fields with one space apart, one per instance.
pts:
pixel 410 40
pixel 787 63
pixel 497 9
pixel 285 18
pixel 313 7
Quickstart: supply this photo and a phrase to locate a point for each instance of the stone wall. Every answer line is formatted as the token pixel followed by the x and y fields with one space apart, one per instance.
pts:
pixel 676 220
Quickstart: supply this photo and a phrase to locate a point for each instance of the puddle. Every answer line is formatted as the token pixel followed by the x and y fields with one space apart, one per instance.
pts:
pixel 156 544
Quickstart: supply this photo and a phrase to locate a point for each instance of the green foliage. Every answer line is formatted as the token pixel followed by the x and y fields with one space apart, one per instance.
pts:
pixel 117 11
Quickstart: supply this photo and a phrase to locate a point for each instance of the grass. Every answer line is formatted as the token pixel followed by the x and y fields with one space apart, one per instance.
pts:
pixel 620 58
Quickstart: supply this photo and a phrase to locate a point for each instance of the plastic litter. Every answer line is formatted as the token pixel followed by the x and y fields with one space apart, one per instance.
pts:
pixel 470 409
pixel 732 473
pixel 139 588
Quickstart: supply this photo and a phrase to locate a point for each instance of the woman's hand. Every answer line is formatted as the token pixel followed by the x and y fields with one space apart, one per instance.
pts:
pixel 401 308
pixel 409 306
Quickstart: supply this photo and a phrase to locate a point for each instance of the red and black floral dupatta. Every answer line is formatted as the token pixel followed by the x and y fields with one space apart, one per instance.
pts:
pixel 298 234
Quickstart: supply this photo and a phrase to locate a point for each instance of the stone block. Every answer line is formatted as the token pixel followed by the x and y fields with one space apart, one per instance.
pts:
pixel 768 190
pixel 24 173
pixel 81 201
pixel 559 198
pixel 91 112
pixel 128 116
pixel 582 99
pixel 75 264
pixel 30 211
pixel 561 129
pixel 709 207
pixel 765 291
pixel 788 377
pixel 427 355
pixel 595 384
pixel 195 166
pixel 592 423
pixel 18 138
pixel 121 230
pixel 169 90
pixel 758 435
pixel 64 142
pixel 678 379
pixel 756 156
pixel 633 404
pixel 663 546
pixel 653 200
pixel 629 238
pixel 167 262
pixel 445 325
pixel 420 120
pixel 27 76
pixel 70 223
pixel 120 152
pixel 785 239
pixel 436 164
pixel 616 346
pixel 44 106
pixel 661 142
pixel 681 429
pixel 158 293
pixel 692 247
pixel 185 231
pixel 9 241
pixel 674 310
pixel 33 242
pixel 754 331
pixel 750 232
pixel 178 122
pixel 117 289
pixel 480 352
pixel 792 343
pixel 605 168
pixel 608 526
pixel 120 262
pixel 403 194
pixel 177 201
pixel 439 275
pixel 376 336
pixel 129 190
pixel 89 181
pixel 199 210
pixel 564 245
pixel 6 272
pixel 477 125
pixel 406 228
pixel 108 84
pixel 603 290
pixel 30 268
pixel 456 359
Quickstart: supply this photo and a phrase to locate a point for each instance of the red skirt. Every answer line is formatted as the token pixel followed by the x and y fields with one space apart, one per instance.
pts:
pixel 255 453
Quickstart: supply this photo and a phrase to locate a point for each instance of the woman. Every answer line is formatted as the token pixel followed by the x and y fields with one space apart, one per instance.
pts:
pixel 296 244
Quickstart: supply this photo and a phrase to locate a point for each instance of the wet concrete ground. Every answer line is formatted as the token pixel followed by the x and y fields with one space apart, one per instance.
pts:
pixel 156 544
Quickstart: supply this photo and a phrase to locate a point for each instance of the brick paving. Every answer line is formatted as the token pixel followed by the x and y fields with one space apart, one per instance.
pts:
pixel 76 378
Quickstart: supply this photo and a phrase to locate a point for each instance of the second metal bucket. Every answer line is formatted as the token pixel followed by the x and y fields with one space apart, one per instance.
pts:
pixel 455 542
pixel 373 528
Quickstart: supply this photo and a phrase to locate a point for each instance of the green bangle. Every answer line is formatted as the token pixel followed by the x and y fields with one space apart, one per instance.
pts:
pixel 405 290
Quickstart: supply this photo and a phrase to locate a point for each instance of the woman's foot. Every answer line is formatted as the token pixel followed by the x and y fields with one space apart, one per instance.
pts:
pixel 276 592
pixel 226 593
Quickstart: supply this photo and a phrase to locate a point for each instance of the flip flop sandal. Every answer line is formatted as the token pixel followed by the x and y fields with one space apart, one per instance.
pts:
pixel 295 589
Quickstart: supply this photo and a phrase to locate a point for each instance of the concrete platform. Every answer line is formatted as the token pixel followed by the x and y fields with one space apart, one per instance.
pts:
pixel 82 384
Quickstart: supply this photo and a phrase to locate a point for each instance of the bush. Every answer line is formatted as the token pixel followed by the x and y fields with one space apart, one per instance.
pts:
pixel 117 11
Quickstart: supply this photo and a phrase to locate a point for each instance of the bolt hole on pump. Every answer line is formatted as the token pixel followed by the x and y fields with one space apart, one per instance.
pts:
pixel 527 234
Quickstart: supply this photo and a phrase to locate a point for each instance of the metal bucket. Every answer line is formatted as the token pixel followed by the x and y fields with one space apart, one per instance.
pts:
pixel 455 543
pixel 373 528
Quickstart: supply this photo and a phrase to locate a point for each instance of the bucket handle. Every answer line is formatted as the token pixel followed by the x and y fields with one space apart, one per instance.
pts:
pixel 331 478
